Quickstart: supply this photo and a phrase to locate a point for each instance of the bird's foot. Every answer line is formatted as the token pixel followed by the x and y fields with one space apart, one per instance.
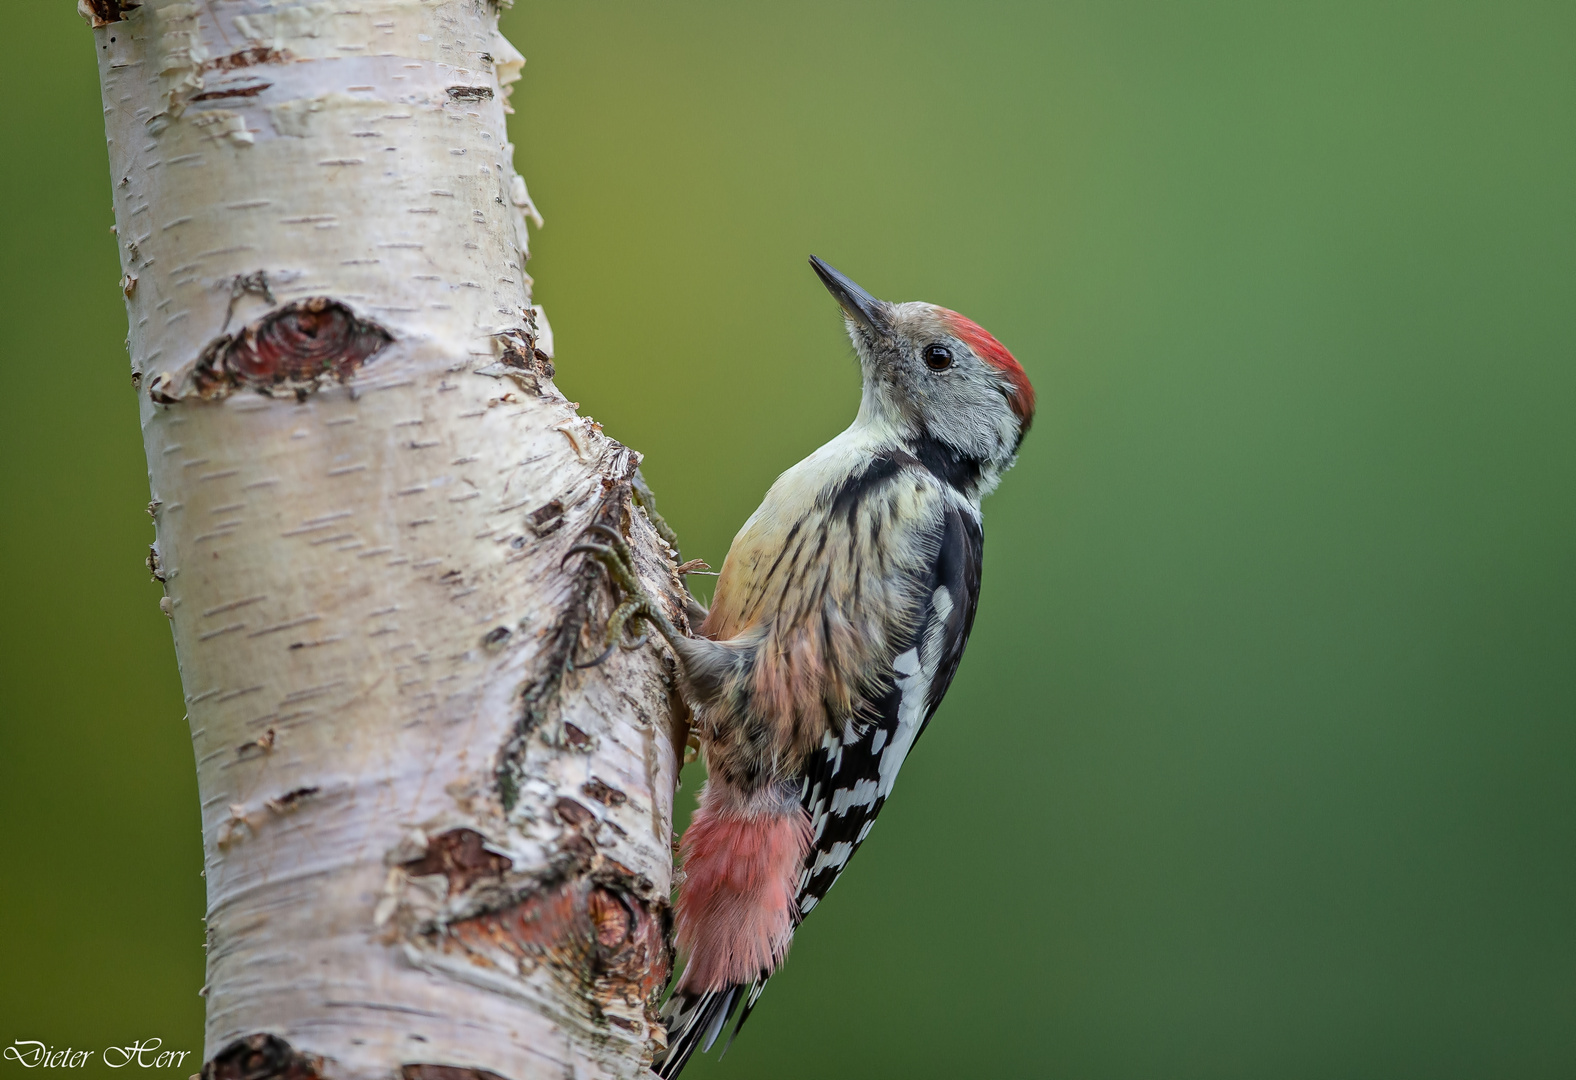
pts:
pixel 612 552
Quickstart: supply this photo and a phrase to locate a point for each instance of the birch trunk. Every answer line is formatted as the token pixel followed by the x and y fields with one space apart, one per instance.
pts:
pixel 433 848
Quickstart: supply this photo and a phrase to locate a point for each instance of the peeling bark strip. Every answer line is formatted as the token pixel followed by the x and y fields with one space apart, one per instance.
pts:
pixel 520 352
pixel 523 361
pixel 434 847
pixel 291 348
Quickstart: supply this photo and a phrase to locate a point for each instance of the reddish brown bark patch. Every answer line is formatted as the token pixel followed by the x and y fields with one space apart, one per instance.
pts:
pixel 295 347
pixel 104 12
pixel 597 933
pixel 262 1057
pixel 446 1072
pixel 461 856
pixel 571 812
pixel 248 58
pixel 249 90
pixel 291 800
pixel 603 793
pixel 522 361
pixel 529 358
pixel 611 920
pixel 546 519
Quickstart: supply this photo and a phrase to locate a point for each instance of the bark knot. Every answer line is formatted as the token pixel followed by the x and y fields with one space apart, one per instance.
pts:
pixel 262 1057
pixel 595 930
pixel 297 347
pixel 103 12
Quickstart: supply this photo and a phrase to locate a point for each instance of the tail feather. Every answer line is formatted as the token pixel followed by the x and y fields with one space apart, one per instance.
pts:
pixel 750 999
pixel 719 1017
pixel 694 1021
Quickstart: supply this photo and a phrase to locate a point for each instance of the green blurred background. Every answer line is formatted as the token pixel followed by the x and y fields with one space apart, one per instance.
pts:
pixel 1263 760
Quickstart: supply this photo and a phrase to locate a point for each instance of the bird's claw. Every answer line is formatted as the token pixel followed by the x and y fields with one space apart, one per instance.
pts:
pixel 613 554
pixel 615 557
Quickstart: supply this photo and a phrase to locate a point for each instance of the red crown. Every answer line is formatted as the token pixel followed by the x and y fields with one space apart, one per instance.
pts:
pixel 994 353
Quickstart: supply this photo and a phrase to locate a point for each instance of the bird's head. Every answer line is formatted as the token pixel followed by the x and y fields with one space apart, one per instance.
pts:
pixel 930 373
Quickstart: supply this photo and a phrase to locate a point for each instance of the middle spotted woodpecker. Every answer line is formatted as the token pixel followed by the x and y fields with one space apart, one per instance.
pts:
pixel 840 616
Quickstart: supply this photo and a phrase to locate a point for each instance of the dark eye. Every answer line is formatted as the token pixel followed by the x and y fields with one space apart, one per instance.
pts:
pixel 937 357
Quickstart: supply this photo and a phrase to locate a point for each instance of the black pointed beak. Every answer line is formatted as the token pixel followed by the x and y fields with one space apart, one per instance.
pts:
pixel 868 312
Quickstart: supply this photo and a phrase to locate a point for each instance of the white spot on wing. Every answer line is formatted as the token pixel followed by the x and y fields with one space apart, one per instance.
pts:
pixel 911 684
pixel 906 663
pixel 835 857
pixel 878 741
pixel 861 794
pixel 935 636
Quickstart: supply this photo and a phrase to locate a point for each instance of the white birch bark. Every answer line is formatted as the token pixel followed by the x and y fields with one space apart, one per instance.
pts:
pixel 431 849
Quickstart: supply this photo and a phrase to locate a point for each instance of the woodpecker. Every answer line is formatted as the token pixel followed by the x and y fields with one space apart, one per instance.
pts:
pixel 840 616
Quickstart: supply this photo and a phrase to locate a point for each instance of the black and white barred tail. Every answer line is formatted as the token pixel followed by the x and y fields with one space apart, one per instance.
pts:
pixel 695 1021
